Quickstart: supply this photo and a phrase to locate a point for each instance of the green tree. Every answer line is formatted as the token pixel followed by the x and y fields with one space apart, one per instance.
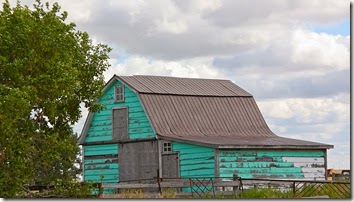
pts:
pixel 47 68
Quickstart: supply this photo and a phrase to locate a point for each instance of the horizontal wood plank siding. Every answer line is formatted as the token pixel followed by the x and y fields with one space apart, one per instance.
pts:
pixel 100 149
pixel 195 161
pixel 98 167
pixel 282 164
pixel 139 126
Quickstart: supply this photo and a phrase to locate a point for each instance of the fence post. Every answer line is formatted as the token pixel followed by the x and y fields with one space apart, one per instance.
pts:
pixel 235 178
pixel 293 189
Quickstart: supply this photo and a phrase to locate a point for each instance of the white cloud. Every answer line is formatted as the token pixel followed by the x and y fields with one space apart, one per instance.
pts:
pixel 134 65
pixel 319 50
pixel 305 110
pixel 297 54
pixel 186 29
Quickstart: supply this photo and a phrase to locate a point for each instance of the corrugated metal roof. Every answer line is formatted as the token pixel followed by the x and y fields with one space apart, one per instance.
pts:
pixel 183 86
pixel 185 116
pixel 205 111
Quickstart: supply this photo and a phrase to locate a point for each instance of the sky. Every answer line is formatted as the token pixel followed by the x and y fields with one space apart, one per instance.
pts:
pixel 292 56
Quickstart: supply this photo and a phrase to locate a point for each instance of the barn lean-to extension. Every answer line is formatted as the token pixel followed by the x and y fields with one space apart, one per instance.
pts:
pixel 184 127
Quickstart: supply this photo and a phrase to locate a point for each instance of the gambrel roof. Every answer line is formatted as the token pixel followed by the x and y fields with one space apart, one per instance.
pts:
pixel 209 112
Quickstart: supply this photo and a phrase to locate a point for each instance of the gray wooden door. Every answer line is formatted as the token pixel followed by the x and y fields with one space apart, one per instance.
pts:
pixel 120 124
pixel 138 160
pixel 170 165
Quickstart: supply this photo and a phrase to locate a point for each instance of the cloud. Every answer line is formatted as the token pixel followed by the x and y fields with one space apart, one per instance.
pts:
pixel 234 13
pixel 331 84
pixel 138 65
pixel 306 110
pixel 173 30
pixel 298 54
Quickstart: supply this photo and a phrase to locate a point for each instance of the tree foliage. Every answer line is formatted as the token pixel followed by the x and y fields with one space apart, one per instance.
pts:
pixel 47 68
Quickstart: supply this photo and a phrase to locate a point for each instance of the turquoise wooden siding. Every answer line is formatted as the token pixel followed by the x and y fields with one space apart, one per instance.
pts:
pixel 100 165
pixel 282 164
pixel 195 161
pixel 139 126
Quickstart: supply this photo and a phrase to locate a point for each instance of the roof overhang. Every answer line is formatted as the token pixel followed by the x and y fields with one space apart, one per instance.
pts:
pixel 217 145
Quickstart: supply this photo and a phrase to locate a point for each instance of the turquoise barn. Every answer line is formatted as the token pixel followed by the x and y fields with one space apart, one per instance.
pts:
pixel 185 127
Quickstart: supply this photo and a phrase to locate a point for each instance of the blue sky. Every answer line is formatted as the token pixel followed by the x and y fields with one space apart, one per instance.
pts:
pixel 341 27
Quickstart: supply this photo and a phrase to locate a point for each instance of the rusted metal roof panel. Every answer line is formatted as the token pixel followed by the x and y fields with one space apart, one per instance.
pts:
pixel 183 86
pixel 219 121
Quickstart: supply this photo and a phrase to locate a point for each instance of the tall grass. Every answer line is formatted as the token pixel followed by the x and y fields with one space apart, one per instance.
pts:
pixel 139 193
pixel 331 190
pixel 265 193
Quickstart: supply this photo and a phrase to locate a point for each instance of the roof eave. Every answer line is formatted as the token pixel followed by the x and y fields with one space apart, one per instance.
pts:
pixel 160 137
pixel 84 131
pixel 217 146
pixel 275 146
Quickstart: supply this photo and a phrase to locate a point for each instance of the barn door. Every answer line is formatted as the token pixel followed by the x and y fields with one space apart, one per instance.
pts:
pixel 138 160
pixel 170 165
pixel 120 124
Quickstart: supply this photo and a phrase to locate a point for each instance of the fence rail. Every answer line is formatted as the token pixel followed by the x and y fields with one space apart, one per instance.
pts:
pixel 198 186
pixel 303 188
pixel 213 186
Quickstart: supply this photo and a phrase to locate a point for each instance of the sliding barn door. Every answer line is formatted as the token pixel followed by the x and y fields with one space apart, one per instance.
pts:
pixel 138 160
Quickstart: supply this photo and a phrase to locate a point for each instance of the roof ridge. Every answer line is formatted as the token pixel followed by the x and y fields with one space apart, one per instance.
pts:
pixel 137 75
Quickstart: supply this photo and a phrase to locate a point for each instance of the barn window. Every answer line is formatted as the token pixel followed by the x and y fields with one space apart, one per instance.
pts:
pixel 119 93
pixel 167 147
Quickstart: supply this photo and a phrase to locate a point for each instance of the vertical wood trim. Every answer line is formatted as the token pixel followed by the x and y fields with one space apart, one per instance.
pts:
pixel 118 161
pixel 159 142
pixel 115 94
pixel 325 162
pixel 83 163
pixel 216 160
pixel 179 165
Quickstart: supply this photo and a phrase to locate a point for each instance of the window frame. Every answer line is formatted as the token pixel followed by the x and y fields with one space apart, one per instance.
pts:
pixel 117 93
pixel 168 147
pixel 113 123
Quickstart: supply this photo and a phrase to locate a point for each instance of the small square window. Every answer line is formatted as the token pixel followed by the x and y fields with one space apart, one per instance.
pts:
pixel 167 147
pixel 119 93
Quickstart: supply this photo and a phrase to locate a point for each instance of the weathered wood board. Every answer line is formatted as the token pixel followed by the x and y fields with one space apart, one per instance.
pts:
pixel 272 163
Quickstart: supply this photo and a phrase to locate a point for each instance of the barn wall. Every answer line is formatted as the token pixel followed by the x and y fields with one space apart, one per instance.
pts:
pixel 101 160
pixel 195 161
pixel 100 128
pixel 283 164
